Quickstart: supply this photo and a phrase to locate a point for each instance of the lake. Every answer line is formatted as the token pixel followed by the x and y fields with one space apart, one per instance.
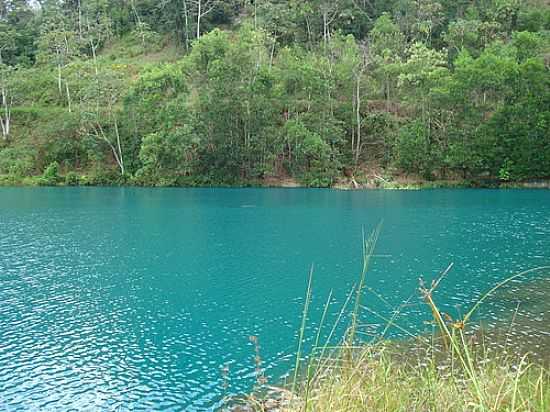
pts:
pixel 146 299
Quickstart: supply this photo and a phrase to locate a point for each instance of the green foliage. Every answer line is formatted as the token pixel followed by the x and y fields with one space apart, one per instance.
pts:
pixel 314 158
pixel 72 179
pixel 50 176
pixel 423 75
pixel 530 45
pixel 17 161
pixel 102 177
pixel 144 40
pixel 413 149
pixel 167 157
pixel 116 92
pixel 533 19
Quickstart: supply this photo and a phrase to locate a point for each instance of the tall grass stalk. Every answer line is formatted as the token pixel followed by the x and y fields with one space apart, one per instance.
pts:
pixel 368 251
pixel 316 344
pixel 302 329
pixel 377 377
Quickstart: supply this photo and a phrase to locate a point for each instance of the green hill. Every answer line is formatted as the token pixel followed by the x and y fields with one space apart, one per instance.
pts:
pixel 208 92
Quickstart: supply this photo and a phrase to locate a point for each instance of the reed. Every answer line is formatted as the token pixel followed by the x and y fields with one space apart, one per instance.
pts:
pixel 450 372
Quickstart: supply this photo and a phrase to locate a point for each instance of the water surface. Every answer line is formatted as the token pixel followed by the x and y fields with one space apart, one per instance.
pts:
pixel 136 299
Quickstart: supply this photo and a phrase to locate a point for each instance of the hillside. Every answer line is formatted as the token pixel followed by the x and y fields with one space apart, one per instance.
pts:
pixel 207 92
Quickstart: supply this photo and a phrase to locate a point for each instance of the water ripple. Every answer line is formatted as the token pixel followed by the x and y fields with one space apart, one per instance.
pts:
pixel 126 299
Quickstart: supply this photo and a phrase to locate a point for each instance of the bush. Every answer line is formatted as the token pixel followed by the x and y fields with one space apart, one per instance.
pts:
pixel 52 171
pixel 100 177
pixel 50 177
pixel 318 163
pixel 72 179
pixel 17 162
pixel 415 152
pixel 9 180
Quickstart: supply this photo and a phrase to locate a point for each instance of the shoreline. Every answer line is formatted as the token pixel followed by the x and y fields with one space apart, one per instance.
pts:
pixel 291 183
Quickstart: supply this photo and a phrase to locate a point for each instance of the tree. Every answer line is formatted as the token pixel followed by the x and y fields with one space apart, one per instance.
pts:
pixel 429 17
pixel 500 102
pixel 58 47
pixel 302 88
pixel 422 75
pixel 6 100
pixel 308 84
pixel 95 27
pixel 386 53
pixel 155 108
pixel 167 156
pixel 485 81
pixel 7 41
pixel 203 8
pixel 314 156
pixel 100 113
pixel 519 133
pixel 329 11
pixel 464 34
pixel 530 45
pixel 18 30
pixel 236 106
pixel 423 80
pixel 350 62
pixel 414 151
pixel 7 44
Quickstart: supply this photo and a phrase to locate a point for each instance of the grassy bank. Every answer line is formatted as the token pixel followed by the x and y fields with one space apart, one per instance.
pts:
pixel 375 379
pixel 458 368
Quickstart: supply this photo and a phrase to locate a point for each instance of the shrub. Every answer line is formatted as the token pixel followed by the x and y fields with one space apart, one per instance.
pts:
pixel 17 162
pixel 50 177
pixel 100 177
pixel 72 179
pixel 412 144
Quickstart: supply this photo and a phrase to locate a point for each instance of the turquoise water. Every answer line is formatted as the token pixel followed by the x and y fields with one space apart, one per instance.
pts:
pixel 136 299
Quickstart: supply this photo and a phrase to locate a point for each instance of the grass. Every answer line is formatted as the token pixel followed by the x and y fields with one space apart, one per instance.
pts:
pixel 377 379
pixel 453 370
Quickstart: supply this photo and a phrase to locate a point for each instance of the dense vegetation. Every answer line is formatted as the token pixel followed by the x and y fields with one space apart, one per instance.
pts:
pixel 187 92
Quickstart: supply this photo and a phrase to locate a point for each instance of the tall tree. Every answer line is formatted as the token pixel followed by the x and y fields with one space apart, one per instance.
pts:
pixel 386 49
pixel 6 99
pixel 203 8
pixel 100 111
pixel 58 46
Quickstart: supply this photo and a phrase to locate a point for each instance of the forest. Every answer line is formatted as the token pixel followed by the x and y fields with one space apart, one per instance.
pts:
pixel 233 92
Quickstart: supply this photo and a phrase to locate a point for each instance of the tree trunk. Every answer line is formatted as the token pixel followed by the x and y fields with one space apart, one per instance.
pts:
pixel 199 20
pixel 116 150
pixel 308 30
pixel 79 20
pixel 387 94
pixel 68 95
pixel 120 158
pixel 272 55
pixel 255 15
pixel 59 74
pixel 186 18
pixel 94 56
pixel 207 6
pixel 358 117
pixel 325 27
pixel 6 118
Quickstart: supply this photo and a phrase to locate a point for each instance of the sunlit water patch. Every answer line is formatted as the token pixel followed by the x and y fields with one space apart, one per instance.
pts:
pixel 143 299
